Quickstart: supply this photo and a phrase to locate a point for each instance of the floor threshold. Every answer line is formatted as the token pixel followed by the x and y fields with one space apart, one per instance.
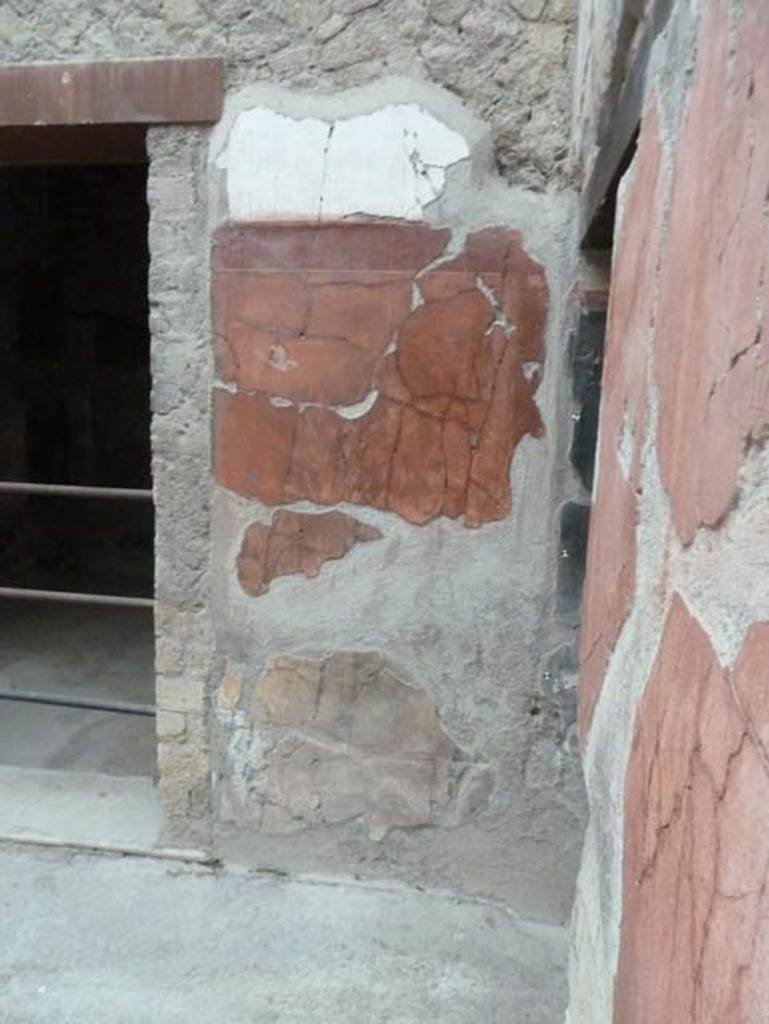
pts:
pixel 157 852
pixel 88 811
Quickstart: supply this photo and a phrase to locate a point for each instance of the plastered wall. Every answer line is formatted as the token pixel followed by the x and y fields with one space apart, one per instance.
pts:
pixel 385 431
pixel 359 307
pixel 670 916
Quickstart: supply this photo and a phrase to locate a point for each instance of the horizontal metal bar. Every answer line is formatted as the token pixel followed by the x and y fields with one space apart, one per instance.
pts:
pixel 67 597
pixel 75 491
pixel 120 706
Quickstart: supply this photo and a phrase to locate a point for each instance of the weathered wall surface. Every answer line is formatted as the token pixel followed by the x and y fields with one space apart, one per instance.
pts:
pixel 671 912
pixel 506 60
pixel 377 702
pixel 359 443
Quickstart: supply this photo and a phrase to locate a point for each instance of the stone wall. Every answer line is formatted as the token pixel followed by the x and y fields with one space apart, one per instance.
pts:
pixel 360 411
pixel 506 60
pixel 671 911
pixel 353 638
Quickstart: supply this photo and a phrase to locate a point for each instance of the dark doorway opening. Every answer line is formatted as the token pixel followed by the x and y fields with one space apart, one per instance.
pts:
pixel 76 514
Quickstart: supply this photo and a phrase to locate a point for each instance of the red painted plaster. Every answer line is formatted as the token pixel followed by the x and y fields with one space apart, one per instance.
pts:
pixel 610 574
pixel 310 317
pixel 711 342
pixel 695 927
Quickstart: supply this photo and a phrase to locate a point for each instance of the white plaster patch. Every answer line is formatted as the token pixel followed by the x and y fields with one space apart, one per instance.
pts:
pixel 390 163
pixel 626 446
pixel 724 574
pixel 347 412
pixel 354 412
pixel 590 990
pixel 598 905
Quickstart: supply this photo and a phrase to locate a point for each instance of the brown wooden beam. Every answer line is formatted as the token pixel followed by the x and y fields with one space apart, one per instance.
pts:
pixel 157 91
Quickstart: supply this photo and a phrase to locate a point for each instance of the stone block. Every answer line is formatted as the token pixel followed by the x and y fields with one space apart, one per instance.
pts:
pixel 181 693
pixel 170 724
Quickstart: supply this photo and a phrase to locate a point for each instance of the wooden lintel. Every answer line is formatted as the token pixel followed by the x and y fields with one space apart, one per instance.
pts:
pixel 156 91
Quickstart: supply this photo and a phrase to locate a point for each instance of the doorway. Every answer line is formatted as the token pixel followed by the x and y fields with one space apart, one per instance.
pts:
pixel 76 513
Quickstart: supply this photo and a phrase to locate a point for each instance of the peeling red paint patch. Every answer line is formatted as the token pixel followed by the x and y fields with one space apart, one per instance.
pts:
pixel 695 928
pixel 296 542
pixel 610 573
pixel 310 317
pixel 712 346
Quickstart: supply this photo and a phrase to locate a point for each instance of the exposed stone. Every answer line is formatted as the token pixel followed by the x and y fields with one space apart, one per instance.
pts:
pixel 169 724
pixel 353 741
pixel 309 315
pixel 697 836
pixel 277 40
pixel 355 6
pixel 331 27
pixel 184 778
pixel 296 542
pixel 180 13
pixel 228 693
pixel 447 12
pixel 181 693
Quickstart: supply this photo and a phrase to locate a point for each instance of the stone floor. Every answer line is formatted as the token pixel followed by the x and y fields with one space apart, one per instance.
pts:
pixel 124 940
pixel 152 937
pixel 73 739
pixel 90 809
pixel 69 652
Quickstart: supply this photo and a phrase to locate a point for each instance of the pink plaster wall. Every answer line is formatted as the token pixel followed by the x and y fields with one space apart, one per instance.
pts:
pixel 684 424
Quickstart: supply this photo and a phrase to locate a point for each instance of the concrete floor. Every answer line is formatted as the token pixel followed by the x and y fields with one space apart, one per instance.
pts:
pixel 128 940
pixel 80 653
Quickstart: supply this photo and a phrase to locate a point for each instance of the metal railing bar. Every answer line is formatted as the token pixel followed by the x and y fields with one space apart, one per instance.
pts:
pixel 68 597
pixel 75 491
pixel 120 706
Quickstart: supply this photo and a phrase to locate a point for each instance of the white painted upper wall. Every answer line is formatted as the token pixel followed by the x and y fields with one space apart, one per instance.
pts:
pixel 389 163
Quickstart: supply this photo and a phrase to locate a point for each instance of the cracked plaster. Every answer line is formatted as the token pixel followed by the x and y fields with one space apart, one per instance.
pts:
pixel 319 315
pixel 389 163
pixel 460 613
pixel 674 755
pixel 328 741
